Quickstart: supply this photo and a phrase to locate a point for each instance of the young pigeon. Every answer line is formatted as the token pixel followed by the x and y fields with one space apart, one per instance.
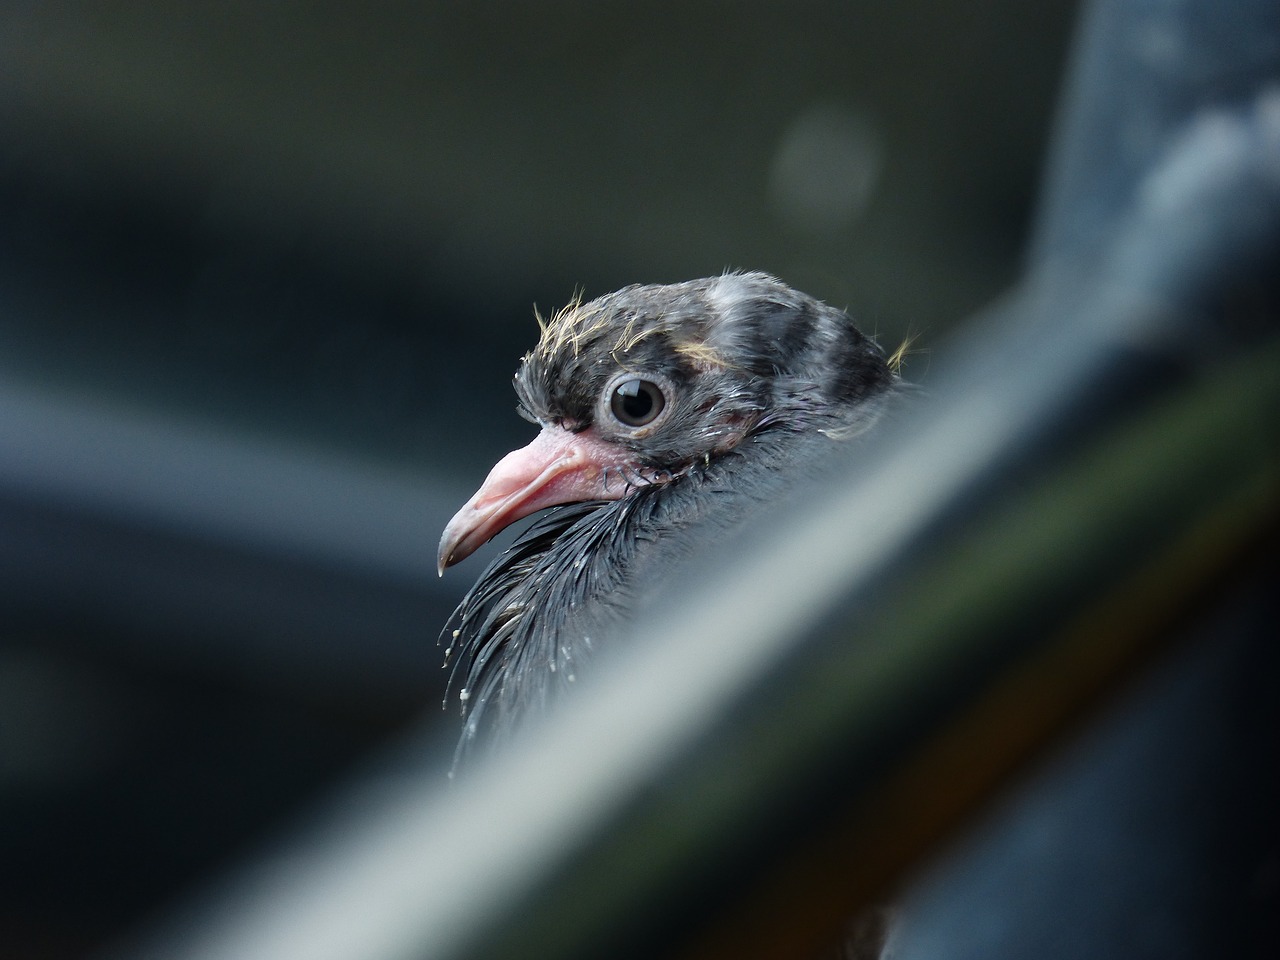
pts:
pixel 667 414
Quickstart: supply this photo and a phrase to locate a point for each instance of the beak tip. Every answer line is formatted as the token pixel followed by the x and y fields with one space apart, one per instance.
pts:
pixel 444 558
pixel 444 553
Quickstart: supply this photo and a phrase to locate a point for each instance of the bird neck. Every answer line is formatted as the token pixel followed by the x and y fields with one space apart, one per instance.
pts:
pixel 569 583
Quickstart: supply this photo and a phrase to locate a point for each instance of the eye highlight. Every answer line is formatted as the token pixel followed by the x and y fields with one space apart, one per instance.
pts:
pixel 635 402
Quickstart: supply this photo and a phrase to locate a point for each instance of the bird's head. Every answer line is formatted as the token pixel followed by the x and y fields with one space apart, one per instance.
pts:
pixel 638 387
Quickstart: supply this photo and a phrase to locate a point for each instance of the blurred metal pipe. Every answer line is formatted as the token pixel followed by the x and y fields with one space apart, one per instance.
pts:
pixel 291 565
pixel 166 473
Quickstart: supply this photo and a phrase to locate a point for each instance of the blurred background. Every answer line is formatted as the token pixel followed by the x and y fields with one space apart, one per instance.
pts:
pixel 265 272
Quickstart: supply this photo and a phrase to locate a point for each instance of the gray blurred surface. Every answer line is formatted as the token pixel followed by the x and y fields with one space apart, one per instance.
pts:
pixel 514 146
pixel 1153 835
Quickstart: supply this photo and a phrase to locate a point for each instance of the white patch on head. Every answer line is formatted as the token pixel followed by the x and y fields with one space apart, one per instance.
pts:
pixel 735 301
pixel 727 293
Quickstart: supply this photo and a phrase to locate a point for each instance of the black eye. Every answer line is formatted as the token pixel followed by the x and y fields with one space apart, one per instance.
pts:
pixel 636 402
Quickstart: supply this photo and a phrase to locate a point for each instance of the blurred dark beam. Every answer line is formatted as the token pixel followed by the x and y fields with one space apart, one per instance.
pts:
pixel 284 565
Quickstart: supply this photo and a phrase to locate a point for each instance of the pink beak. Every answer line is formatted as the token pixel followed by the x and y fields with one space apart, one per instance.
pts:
pixel 557 467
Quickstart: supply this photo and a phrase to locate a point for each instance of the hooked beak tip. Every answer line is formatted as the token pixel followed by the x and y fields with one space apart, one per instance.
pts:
pixel 446 556
pixel 556 467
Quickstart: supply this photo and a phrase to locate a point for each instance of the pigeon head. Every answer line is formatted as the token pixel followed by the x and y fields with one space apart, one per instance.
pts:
pixel 638 387
pixel 669 417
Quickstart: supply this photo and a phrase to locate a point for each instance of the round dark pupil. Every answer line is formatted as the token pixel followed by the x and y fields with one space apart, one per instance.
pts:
pixel 636 402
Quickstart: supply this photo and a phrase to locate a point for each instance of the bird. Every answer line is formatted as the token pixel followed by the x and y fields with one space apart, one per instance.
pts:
pixel 669 415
